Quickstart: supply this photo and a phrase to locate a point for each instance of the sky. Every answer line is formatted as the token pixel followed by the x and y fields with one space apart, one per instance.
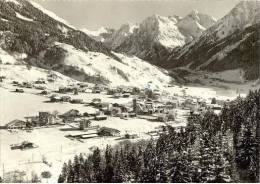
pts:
pixel 93 14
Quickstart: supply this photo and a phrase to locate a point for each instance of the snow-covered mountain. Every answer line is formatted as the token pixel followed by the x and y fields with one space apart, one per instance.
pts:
pixel 194 24
pixel 100 34
pixel 231 43
pixel 33 36
pixel 158 34
pixel 120 35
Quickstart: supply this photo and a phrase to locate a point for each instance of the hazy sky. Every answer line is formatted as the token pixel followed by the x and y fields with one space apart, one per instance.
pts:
pixel 92 14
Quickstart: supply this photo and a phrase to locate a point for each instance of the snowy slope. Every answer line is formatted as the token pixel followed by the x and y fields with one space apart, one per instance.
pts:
pixel 120 35
pixel 131 71
pixel 22 74
pixel 244 14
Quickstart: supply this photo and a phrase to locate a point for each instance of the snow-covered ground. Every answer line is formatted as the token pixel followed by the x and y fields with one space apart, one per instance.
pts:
pixel 22 73
pixel 58 151
pixel 132 71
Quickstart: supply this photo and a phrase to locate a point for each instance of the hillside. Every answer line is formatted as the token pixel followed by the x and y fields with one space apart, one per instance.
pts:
pixel 231 43
pixel 32 35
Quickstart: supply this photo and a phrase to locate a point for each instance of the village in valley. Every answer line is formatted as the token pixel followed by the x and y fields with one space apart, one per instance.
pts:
pixel 79 117
pixel 171 98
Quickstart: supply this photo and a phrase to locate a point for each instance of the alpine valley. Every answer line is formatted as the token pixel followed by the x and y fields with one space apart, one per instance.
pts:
pixel 169 49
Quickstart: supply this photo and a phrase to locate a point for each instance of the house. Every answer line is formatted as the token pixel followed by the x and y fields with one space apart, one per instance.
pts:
pixel 95 102
pixel 96 91
pixel 117 95
pixel 172 104
pixel 83 124
pixel 46 118
pixel 111 91
pixel 40 81
pixel 105 131
pixel 162 117
pixel 16 124
pixel 70 115
pixel 131 136
pixel 105 106
pixel 44 92
pixel 65 99
pixel 19 90
pixel 2 78
pixel 54 98
pixel 100 117
pixel 40 87
pixel 27 85
pixel 126 95
pixel 15 83
pixel 124 115
pixel 24 145
pixel 77 101
pixel 66 90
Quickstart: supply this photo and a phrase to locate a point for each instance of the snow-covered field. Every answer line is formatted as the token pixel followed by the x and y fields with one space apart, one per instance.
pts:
pixel 60 149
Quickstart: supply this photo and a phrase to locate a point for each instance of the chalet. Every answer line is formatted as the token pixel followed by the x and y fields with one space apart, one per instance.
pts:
pixel 70 115
pixel 15 83
pixel 65 99
pixel 19 90
pixel 83 85
pixel 84 124
pixel 131 136
pixel 112 91
pixel 77 101
pixel 40 81
pixel 40 87
pixel 95 102
pixel 100 117
pixel 117 95
pixel 27 85
pixel 50 80
pixel 66 90
pixel 172 104
pixel 132 115
pixel 24 145
pixel 126 95
pixel 44 92
pixel 54 98
pixel 2 78
pixel 16 124
pixel 190 104
pixel 46 118
pixel 105 107
pixel 96 91
pixel 105 131
pixel 161 117
pixel 124 115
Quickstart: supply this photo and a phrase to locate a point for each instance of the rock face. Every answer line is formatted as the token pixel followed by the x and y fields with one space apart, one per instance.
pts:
pixel 156 35
pixel 231 43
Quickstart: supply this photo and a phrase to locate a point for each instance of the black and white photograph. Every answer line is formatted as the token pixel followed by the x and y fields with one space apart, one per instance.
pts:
pixel 129 91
